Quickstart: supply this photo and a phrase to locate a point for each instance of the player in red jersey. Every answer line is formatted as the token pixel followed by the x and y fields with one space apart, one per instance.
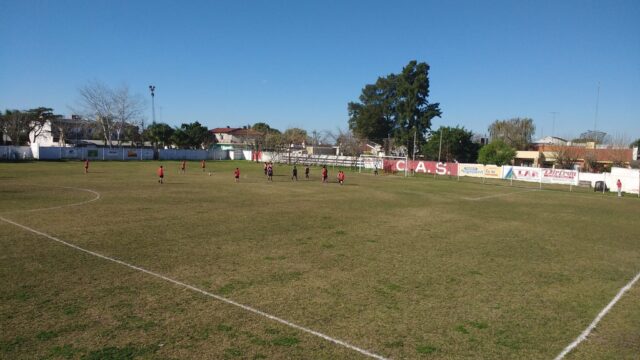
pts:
pixel 203 165
pixel 183 166
pixel 324 173
pixel 86 166
pixel 341 177
pixel 161 174
pixel 236 174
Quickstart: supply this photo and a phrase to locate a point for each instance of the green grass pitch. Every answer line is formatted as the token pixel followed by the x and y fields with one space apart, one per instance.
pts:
pixel 401 267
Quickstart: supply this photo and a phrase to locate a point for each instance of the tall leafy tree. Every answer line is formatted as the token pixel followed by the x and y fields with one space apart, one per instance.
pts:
pixel 264 128
pixel 159 133
pixel 496 153
pixel 195 136
pixel 516 132
pixel 396 105
pixel 457 145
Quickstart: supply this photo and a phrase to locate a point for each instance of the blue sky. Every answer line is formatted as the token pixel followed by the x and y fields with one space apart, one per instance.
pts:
pixel 298 63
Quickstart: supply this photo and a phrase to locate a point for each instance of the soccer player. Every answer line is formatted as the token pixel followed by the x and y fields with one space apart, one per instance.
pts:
pixel 183 166
pixel 270 172
pixel 266 167
pixel 325 174
pixel 236 174
pixel 294 173
pixel 341 177
pixel 86 166
pixel 160 174
pixel 306 172
pixel 203 165
pixel 619 185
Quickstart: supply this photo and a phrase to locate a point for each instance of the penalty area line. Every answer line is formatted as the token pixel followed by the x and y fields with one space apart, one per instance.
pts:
pixel 583 336
pixel 203 292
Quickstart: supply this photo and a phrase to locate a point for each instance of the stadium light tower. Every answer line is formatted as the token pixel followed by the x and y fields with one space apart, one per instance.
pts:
pixel 152 88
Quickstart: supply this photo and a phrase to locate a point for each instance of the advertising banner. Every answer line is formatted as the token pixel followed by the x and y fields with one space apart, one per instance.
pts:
pixel 521 173
pixel 560 176
pixel 493 171
pixel 424 167
pixel 473 170
pixel 112 154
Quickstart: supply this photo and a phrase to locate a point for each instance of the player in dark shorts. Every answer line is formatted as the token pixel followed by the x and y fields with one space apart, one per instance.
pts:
pixel 270 172
pixel 306 172
pixel 236 175
pixel 160 174
pixel 266 166
pixel 294 173
pixel 86 166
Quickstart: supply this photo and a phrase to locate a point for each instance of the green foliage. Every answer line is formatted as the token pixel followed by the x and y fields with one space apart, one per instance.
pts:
pixel 264 128
pixel 395 105
pixel 159 133
pixel 191 136
pixel 516 132
pixel 635 143
pixel 496 153
pixel 457 145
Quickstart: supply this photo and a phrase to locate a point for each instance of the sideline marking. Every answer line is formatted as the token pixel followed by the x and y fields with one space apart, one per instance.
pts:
pixel 587 331
pixel 499 195
pixel 193 288
pixel 97 197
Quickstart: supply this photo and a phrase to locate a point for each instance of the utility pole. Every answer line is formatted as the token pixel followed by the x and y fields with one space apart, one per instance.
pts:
pixel 595 121
pixel 415 133
pixel 440 150
pixel 553 124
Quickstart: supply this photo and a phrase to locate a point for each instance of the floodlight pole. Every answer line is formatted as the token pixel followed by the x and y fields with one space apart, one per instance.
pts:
pixel 152 88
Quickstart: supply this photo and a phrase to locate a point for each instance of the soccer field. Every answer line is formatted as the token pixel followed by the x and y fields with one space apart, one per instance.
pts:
pixel 203 268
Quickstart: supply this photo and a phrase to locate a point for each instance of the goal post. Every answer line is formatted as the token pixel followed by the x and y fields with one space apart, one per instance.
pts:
pixel 387 164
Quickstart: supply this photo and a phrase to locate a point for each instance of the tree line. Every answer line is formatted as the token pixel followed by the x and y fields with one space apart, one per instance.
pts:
pixel 394 111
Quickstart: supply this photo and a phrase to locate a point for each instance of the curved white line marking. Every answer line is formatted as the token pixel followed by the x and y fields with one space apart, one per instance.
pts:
pixel 595 321
pixel 97 197
pixel 190 287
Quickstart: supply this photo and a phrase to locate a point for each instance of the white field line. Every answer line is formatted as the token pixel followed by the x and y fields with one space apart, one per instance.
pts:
pixel 595 321
pixel 97 197
pixel 498 195
pixel 193 288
